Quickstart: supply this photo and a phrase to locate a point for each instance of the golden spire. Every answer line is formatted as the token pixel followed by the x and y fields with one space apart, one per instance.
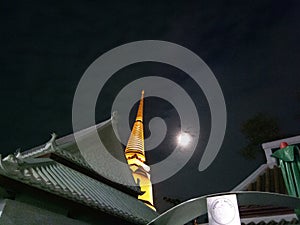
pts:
pixel 135 155
pixel 136 139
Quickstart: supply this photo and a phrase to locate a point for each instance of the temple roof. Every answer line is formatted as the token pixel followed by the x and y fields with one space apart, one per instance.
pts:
pixel 59 168
pixel 50 176
pixel 66 148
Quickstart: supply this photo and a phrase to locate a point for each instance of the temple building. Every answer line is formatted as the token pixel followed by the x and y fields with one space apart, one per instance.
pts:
pixel 54 184
pixel 268 178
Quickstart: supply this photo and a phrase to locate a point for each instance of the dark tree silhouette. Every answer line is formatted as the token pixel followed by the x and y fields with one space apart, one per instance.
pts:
pixel 258 129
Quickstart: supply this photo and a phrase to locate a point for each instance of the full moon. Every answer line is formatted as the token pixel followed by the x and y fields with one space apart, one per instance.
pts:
pixel 183 139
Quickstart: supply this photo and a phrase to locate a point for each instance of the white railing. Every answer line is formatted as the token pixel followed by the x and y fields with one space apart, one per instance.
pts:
pixel 271 162
pixel 269 146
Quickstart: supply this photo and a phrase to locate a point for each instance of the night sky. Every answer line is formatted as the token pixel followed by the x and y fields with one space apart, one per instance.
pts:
pixel 252 47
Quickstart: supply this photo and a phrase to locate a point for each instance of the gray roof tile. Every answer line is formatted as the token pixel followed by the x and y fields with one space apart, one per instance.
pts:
pixel 58 179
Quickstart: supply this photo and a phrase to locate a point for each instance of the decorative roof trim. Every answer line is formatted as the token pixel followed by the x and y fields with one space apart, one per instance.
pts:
pixel 54 141
pixel 276 144
pixel 36 152
pixel 269 146
pixel 267 219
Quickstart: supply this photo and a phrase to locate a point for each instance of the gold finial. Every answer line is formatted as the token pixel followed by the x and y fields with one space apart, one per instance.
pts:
pixel 139 116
